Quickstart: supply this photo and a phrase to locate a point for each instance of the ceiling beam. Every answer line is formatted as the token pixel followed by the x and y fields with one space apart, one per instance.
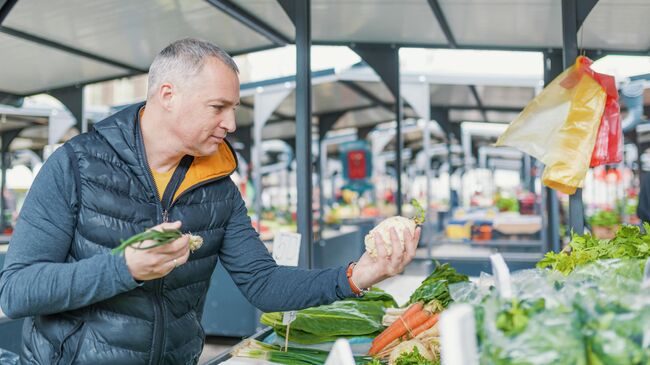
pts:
pixel 442 21
pixel 62 47
pixel 451 40
pixel 367 95
pixel 479 102
pixel 6 8
pixel 251 21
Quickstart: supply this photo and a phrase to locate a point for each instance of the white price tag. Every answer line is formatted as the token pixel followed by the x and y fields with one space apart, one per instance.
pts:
pixel 288 317
pixel 501 275
pixel 286 248
pixel 458 336
pixel 341 354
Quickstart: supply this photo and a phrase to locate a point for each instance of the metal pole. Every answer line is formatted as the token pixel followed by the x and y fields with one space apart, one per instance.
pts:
pixel 303 129
pixel 569 55
pixel 3 166
pixel 322 174
pixel 552 68
pixel 398 131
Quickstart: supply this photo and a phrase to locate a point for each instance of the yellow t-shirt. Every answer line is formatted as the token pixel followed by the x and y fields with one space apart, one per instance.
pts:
pixel 203 168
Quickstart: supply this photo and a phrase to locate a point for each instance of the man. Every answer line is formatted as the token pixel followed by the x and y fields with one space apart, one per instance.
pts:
pixel 164 164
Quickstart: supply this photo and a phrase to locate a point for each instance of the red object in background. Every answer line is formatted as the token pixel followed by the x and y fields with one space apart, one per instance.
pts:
pixel 609 143
pixel 357 164
pixel 608 175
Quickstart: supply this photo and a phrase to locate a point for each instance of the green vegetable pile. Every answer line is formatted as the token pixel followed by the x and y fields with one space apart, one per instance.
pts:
pixel 414 358
pixel 435 288
pixel 513 319
pixel 326 323
pixel 605 218
pixel 629 243
pixel 507 204
pixel 596 314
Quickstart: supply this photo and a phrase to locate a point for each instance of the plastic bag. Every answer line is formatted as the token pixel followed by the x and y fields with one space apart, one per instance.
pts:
pixel 614 309
pixel 609 144
pixel 559 127
pixel 527 332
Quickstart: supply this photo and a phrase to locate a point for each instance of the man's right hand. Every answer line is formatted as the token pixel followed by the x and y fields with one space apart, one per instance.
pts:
pixel 159 261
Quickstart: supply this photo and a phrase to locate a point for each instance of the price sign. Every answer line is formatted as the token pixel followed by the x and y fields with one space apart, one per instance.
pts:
pixel 286 248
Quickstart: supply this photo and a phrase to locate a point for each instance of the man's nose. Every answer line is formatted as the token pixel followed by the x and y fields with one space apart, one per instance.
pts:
pixel 229 123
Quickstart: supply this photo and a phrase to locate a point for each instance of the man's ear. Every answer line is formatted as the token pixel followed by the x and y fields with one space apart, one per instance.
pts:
pixel 166 95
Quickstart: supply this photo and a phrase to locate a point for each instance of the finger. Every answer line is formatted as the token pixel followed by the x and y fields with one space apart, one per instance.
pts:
pixel 398 251
pixel 411 245
pixel 175 248
pixel 167 226
pixel 183 259
pixel 380 246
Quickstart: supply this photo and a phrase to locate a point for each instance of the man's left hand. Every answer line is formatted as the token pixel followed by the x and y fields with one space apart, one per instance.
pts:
pixel 369 271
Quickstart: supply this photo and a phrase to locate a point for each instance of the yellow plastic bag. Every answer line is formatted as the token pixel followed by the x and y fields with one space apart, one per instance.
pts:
pixel 559 127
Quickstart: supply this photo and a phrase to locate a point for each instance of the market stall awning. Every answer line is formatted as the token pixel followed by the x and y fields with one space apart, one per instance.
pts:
pixel 55 44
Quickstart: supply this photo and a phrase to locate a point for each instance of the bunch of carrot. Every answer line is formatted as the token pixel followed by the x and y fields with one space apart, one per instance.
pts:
pixel 415 320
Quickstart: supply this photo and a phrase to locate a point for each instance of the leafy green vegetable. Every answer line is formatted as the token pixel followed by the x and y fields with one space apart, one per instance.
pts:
pixel 539 337
pixel 374 362
pixel 378 295
pixel 420 213
pixel 326 323
pixel 436 286
pixel 413 358
pixel 605 218
pixel 629 243
pixel 293 356
pixel 507 204
pixel 513 319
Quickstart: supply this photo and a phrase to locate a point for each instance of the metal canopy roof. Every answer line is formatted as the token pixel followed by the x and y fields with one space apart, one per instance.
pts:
pixel 57 43
pixel 365 101
pixel 49 44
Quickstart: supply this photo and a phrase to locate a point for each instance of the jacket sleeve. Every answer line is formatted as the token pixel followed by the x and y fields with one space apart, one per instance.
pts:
pixel 38 278
pixel 268 286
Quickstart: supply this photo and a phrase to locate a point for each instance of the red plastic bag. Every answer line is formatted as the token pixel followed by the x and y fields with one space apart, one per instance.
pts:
pixel 608 148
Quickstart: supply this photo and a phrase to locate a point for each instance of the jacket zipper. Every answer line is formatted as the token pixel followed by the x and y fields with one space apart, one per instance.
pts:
pixel 159 303
pixel 159 315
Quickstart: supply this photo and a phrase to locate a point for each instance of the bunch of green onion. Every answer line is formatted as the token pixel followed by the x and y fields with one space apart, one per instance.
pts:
pixel 159 238
pixel 292 356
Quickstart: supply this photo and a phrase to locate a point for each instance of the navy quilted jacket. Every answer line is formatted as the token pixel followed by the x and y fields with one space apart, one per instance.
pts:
pixel 81 303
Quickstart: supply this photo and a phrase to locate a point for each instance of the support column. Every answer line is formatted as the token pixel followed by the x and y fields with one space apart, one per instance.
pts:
pixel 552 68
pixel 303 129
pixel 384 59
pixel 265 104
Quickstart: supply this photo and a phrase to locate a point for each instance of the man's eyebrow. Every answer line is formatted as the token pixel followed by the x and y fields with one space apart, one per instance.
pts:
pixel 224 101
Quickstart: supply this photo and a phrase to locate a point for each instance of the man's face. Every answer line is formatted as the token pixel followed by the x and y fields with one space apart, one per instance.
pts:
pixel 205 108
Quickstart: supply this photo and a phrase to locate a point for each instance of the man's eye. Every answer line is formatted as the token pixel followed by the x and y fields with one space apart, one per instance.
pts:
pixel 217 107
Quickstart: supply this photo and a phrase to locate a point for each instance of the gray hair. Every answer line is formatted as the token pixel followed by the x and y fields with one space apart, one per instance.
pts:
pixel 182 60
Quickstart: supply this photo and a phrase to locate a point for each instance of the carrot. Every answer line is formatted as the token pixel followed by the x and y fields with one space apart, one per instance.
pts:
pixel 414 308
pixel 423 327
pixel 398 329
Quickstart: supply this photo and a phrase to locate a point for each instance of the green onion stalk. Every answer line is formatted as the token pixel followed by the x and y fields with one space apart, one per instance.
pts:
pixel 293 356
pixel 159 238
